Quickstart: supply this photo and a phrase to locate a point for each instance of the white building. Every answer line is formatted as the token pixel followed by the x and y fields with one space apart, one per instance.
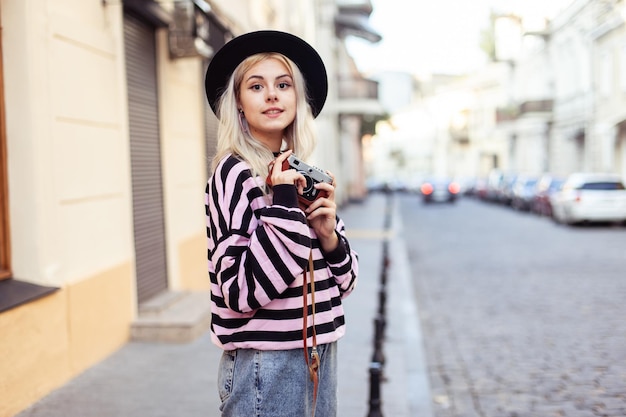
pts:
pixel 607 142
pixel 570 52
pixel 566 94
pixel 552 102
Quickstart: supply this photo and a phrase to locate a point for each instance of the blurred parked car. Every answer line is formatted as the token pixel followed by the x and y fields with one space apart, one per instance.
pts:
pixel 546 187
pixel 505 192
pixel 480 188
pixel 440 190
pixel 467 184
pixel 523 192
pixel 590 198
pixel 375 185
pixel 493 186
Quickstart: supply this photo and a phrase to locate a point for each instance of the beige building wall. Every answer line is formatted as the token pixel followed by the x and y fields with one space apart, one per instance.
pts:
pixel 69 192
pixel 67 140
pixel 70 182
pixel 184 169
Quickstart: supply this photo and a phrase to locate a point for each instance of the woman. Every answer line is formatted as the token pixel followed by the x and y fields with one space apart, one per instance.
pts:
pixel 266 88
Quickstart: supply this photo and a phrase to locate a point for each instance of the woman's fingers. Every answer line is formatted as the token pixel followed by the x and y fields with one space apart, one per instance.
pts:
pixel 321 211
pixel 277 168
pixel 290 176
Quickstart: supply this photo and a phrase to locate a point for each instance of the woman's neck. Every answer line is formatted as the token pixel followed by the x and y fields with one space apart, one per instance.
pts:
pixel 273 143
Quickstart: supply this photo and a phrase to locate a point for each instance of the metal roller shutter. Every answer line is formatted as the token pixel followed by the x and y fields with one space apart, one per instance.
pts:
pixel 145 154
pixel 217 39
pixel 210 124
pixel 217 36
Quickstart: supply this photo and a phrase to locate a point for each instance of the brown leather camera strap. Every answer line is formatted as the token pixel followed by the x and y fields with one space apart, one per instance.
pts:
pixel 314 363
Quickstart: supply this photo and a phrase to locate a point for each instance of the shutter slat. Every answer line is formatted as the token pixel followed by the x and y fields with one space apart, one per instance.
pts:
pixel 145 153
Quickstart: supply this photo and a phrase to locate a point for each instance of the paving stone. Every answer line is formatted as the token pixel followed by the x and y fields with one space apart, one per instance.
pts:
pixel 524 313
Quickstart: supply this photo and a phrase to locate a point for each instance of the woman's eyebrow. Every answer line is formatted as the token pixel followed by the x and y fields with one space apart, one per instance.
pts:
pixel 260 77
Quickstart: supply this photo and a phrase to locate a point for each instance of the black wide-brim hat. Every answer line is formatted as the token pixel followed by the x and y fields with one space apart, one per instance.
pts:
pixel 235 51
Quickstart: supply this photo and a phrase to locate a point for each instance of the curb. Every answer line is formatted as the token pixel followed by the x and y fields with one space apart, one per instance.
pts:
pixel 417 386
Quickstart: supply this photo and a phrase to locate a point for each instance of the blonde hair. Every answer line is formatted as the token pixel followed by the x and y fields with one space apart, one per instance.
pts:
pixel 299 136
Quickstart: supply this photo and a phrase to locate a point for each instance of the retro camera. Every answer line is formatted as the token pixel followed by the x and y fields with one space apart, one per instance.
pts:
pixel 311 174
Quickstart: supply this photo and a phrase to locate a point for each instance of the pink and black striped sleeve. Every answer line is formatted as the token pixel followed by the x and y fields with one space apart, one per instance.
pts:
pixel 256 251
pixel 343 262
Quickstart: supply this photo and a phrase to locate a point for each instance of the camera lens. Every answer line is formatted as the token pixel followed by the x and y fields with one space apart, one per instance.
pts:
pixel 309 183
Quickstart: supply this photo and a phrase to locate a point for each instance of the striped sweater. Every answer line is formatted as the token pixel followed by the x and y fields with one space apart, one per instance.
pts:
pixel 258 247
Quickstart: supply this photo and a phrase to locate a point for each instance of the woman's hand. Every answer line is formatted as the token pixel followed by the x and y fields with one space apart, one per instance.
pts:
pixel 289 176
pixel 322 216
pixel 322 213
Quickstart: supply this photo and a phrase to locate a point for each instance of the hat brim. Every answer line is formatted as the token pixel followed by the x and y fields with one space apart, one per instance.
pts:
pixel 300 52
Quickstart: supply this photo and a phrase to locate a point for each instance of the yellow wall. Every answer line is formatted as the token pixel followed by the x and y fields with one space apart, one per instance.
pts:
pixel 192 254
pixel 34 351
pixel 100 313
pixel 43 344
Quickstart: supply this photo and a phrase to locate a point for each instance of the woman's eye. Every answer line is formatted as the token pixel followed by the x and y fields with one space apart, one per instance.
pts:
pixel 255 87
pixel 282 86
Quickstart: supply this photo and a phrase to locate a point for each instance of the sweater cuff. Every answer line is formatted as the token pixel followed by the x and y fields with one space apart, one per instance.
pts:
pixel 285 195
pixel 338 254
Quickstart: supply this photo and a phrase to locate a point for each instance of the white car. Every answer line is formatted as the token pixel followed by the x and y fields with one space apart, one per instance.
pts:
pixel 587 197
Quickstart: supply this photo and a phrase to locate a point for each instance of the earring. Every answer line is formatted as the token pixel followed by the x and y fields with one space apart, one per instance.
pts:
pixel 243 123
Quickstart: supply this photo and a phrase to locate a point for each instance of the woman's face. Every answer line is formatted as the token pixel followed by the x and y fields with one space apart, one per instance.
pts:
pixel 268 99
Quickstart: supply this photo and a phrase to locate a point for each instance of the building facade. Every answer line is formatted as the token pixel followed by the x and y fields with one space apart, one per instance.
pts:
pixel 551 101
pixel 607 148
pixel 105 147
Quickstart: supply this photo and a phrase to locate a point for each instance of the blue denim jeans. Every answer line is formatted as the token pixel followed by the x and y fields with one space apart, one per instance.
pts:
pixel 256 383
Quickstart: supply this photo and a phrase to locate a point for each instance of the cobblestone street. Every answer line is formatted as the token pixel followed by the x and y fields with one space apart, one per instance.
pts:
pixel 520 316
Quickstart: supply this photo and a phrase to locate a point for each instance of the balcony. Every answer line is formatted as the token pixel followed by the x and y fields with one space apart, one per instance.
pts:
pixel 535 106
pixel 357 88
pixel 353 20
pixel 506 114
pixel 359 6
pixel 358 96
pixel 513 112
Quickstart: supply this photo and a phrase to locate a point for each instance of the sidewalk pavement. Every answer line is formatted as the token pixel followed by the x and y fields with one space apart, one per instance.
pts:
pixel 179 380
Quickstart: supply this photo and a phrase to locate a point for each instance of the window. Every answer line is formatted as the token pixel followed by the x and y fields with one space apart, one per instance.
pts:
pixel 5 250
pixel 603 186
